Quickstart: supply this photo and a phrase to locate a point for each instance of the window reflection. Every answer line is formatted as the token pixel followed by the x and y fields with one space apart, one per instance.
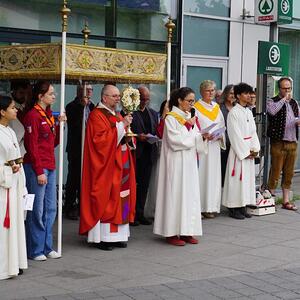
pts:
pixel 209 7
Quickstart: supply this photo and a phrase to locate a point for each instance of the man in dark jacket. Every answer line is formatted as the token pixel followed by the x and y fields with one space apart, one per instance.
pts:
pixel 145 121
pixel 77 113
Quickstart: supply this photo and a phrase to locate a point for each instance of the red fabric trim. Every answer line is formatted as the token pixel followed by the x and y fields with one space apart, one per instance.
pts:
pixel 198 123
pixel 188 126
pixel 113 227
pixel 247 138
pixel 233 170
pixel 6 223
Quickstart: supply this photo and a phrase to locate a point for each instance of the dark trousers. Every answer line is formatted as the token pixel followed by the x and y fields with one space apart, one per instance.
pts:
pixel 143 173
pixel 73 183
pixel 224 157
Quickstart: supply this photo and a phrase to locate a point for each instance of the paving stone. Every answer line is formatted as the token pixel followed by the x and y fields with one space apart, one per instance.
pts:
pixel 205 285
pixel 195 293
pixel 132 291
pixel 229 283
pixel 271 288
pixel 179 285
pixel 168 294
pixel 287 295
pixel 109 293
pixel 59 297
pixel 225 294
pixel 265 297
pixel 85 296
pixel 35 298
pixel 145 296
pixel 120 297
pixel 181 297
pixel 250 291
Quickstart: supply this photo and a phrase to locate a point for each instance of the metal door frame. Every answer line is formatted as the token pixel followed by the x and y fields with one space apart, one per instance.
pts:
pixel 200 61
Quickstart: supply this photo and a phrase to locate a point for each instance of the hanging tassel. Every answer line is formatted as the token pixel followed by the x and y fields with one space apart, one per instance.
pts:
pixel 241 174
pixel 6 223
pixel 233 170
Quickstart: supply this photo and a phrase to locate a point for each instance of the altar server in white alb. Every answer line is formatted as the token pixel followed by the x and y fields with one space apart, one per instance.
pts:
pixel 178 211
pixel 239 185
pixel 210 114
pixel 13 258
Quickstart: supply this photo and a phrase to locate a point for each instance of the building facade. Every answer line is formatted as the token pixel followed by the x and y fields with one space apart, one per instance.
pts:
pixel 214 39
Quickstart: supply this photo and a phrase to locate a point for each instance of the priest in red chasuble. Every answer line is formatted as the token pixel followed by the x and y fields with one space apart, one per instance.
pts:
pixel 108 178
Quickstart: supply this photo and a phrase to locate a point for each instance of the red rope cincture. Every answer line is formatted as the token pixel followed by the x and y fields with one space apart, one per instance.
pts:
pixel 233 170
pixel 6 222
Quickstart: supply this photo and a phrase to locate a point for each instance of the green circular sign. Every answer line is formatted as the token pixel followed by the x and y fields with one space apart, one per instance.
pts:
pixel 265 7
pixel 285 6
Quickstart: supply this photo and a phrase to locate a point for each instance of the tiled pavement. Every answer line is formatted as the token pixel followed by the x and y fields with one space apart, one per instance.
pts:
pixel 257 258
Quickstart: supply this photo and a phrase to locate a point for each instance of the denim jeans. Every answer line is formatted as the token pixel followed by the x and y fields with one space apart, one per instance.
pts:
pixel 40 220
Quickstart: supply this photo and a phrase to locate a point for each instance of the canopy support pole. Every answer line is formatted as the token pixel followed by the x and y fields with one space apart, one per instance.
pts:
pixel 170 27
pixel 64 12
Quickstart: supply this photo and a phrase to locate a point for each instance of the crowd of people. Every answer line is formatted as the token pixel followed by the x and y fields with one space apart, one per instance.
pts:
pixel 181 164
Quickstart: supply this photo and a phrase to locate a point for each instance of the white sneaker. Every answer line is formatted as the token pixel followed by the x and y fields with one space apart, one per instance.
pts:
pixel 53 254
pixel 41 257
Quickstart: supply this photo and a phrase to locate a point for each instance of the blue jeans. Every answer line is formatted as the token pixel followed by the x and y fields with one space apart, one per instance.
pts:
pixel 40 220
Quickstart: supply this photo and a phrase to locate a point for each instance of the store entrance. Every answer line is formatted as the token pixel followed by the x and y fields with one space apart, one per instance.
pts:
pixel 195 70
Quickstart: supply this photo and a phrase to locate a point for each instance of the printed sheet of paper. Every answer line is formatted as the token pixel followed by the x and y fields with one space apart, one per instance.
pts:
pixel 207 129
pixel 218 133
pixel 28 201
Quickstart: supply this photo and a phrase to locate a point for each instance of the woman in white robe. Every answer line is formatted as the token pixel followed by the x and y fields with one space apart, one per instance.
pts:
pixel 12 189
pixel 209 112
pixel 178 211
pixel 239 185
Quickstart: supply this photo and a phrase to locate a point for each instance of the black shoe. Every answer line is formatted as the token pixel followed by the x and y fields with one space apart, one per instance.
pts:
pixel 72 215
pixel 244 212
pixel 104 246
pixel 236 214
pixel 135 223
pixel 20 272
pixel 144 221
pixel 231 211
pixel 119 244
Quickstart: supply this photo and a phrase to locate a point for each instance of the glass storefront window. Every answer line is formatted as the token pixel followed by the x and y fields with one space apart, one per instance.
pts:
pixel 208 7
pixel 195 75
pixel 292 38
pixel 45 15
pixel 144 19
pixel 141 47
pixel 198 33
pixel 296 9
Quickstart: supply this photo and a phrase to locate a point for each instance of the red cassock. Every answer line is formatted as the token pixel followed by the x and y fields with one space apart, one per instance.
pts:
pixel 102 174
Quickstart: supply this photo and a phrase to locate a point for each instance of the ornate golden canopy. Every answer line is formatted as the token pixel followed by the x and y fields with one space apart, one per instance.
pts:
pixel 88 63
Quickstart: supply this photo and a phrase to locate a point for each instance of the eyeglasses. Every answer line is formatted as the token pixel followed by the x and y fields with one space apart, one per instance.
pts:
pixel 209 91
pixel 189 101
pixel 286 89
pixel 113 96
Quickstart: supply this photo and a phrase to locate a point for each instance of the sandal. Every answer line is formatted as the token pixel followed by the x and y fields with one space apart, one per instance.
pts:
pixel 289 206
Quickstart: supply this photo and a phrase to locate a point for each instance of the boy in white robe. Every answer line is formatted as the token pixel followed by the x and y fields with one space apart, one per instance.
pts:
pixel 13 257
pixel 239 185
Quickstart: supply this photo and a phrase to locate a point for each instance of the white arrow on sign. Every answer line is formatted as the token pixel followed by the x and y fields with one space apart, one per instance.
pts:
pixel 285 6
pixel 274 54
